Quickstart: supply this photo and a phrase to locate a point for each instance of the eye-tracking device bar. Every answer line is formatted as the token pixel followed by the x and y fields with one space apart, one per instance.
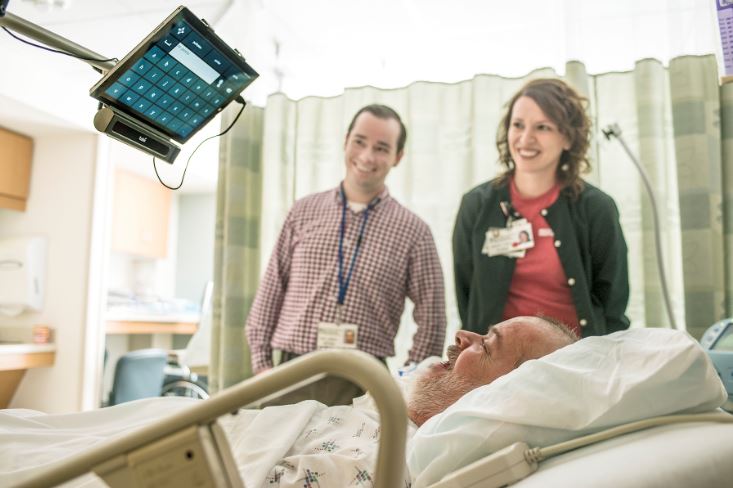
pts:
pixel 166 89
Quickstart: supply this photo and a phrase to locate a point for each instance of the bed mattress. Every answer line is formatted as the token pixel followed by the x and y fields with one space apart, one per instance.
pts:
pixel 681 455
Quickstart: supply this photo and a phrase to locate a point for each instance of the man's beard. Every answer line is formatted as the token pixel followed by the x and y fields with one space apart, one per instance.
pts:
pixel 430 394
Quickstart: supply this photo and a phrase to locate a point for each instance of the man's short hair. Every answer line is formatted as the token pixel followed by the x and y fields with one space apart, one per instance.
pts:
pixel 561 327
pixel 383 112
pixel 561 336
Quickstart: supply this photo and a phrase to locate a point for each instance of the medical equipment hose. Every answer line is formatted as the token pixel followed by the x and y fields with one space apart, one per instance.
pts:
pixel 538 454
pixel 613 130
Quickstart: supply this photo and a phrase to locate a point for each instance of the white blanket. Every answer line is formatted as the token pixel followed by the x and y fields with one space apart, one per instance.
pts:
pixel 306 444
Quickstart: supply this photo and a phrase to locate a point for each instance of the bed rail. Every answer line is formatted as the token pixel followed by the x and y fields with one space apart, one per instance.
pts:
pixel 358 367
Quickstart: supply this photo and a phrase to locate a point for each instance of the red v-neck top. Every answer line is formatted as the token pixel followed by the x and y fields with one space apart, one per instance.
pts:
pixel 539 284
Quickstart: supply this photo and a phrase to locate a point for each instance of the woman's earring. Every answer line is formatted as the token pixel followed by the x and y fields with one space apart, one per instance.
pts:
pixel 565 167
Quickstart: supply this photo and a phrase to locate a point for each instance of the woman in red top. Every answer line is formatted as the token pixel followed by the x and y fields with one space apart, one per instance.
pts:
pixel 574 268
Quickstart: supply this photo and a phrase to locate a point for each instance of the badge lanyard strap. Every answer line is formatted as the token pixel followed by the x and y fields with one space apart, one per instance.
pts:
pixel 344 283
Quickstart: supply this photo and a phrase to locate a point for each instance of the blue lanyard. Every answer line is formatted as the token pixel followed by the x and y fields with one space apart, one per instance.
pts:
pixel 344 283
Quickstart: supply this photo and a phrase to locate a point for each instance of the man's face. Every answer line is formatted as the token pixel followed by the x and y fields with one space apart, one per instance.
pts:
pixel 474 360
pixel 370 153
pixel 483 358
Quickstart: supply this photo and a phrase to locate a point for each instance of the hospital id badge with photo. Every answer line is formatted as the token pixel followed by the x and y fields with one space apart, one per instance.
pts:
pixel 509 241
pixel 336 336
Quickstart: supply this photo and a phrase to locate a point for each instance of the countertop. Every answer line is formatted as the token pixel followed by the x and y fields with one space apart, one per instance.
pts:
pixel 25 348
pixel 123 316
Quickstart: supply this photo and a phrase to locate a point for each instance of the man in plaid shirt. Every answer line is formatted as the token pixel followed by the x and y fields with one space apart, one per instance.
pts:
pixel 344 263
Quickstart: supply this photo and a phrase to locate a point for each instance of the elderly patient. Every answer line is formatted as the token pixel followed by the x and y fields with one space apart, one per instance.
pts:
pixel 476 360
pixel 305 444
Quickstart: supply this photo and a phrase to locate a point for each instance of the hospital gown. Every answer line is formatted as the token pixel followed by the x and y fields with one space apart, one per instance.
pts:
pixel 309 445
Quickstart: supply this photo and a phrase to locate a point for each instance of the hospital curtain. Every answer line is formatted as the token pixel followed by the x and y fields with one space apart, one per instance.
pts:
pixel 672 117
pixel 236 248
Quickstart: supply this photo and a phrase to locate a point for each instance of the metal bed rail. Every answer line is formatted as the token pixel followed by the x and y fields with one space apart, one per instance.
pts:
pixel 121 453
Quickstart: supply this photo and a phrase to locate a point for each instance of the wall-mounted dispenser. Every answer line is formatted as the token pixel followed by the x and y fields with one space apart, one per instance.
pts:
pixel 22 274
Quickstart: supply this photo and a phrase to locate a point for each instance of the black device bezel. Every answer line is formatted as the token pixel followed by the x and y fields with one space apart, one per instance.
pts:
pixel 112 76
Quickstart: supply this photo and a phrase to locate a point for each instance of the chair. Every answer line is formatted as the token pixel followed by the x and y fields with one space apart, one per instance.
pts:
pixel 138 374
pixel 180 380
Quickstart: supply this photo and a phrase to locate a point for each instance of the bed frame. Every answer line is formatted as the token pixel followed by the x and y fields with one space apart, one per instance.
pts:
pixel 189 447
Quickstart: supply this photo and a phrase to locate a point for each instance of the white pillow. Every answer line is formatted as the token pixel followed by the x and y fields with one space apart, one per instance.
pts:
pixel 594 384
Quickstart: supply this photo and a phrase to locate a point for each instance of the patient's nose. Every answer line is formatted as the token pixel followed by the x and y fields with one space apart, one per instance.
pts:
pixel 465 338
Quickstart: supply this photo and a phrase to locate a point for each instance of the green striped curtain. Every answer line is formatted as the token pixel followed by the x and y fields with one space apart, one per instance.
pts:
pixel 236 248
pixel 696 108
pixel 726 131
pixel 676 119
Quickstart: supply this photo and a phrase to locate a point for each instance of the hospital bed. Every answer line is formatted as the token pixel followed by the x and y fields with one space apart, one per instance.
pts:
pixel 695 452
pixel 189 448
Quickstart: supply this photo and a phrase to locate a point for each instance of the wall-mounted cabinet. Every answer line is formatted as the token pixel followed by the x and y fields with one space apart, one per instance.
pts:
pixel 16 153
pixel 141 216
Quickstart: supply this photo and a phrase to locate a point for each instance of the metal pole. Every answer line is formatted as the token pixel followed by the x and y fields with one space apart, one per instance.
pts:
pixel 614 130
pixel 50 39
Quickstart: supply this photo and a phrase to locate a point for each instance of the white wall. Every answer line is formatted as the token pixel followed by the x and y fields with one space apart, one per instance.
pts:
pixel 60 209
pixel 54 84
pixel 195 262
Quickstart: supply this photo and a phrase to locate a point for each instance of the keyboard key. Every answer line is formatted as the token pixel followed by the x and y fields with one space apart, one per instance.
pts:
pixel 165 100
pixel 116 90
pixel 154 74
pixel 142 85
pixel 142 66
pixel 168 43
pixel 129 98
pixel 129 78
pixel 154 54
pixel 142 104
pixel 167 63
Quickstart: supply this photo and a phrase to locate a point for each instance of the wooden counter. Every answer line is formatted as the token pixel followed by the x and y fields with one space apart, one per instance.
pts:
pixel 142 327
pixel 137 323
pixel 15 360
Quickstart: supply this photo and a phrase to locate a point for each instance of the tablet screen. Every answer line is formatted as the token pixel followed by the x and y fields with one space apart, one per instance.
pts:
pixel 177 79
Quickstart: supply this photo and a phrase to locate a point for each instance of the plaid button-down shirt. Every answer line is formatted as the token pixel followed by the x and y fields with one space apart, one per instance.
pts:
pixel 397 259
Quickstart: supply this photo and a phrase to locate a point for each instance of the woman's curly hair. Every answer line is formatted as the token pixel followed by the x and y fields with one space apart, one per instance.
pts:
pixel 566 108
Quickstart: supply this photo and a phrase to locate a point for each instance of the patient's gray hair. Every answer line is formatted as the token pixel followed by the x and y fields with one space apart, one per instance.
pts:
pixel 560 335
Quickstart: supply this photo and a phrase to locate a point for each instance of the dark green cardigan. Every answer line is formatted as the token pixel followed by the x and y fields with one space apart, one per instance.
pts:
pixel 591 248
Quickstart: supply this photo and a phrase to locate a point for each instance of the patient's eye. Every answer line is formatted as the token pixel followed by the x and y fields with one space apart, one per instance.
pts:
pixel 485 345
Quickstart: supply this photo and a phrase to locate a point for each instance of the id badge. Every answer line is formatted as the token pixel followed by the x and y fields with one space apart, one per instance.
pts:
pixel 336 336
pixel 509 241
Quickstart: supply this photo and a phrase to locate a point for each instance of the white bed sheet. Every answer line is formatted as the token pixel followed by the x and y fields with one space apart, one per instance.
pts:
pixel 696 455
pixel 282 447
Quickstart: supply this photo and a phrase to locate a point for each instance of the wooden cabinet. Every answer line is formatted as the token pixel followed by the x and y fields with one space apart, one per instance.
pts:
pixel 16 153
pixel 141 214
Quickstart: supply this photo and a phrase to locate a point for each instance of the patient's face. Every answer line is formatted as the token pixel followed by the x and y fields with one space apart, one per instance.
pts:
pixel 474 360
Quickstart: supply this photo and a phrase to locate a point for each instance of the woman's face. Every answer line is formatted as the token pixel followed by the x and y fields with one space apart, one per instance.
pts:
pixel 535 142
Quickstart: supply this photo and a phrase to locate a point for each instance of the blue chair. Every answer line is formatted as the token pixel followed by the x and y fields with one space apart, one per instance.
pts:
pixel 138 374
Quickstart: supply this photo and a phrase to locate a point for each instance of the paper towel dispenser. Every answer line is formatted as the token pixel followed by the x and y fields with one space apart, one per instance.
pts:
pixel 22 274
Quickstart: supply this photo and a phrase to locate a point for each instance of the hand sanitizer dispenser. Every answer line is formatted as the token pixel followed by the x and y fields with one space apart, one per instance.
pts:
pixel 22 274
